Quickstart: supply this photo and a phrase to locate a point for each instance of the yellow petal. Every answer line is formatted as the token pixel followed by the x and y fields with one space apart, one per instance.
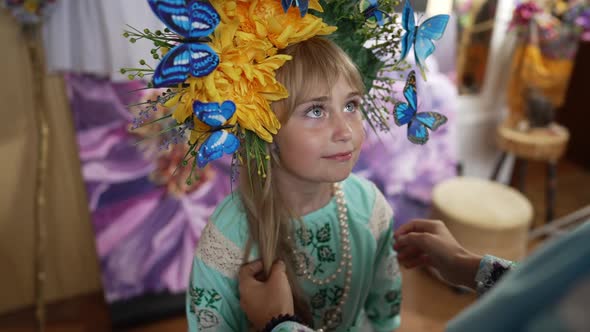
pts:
pixel 182 112
pixel 173 101
pixel 315 5
pixel 281 40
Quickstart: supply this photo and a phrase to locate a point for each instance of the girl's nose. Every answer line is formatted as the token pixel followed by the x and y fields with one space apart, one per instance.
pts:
pixel 342 127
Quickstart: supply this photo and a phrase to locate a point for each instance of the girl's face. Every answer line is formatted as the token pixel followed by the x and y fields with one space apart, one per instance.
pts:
pixel 322 138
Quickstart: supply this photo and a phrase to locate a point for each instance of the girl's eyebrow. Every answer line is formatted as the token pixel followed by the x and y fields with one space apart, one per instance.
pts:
pixel 317 99
pixel 326 98
pixel 354 94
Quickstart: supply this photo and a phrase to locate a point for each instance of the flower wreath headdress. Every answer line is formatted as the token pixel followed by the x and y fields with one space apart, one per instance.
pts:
pixel 218 63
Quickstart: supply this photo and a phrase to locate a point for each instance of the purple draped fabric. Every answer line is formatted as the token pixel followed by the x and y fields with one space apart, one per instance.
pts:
pixel 145 233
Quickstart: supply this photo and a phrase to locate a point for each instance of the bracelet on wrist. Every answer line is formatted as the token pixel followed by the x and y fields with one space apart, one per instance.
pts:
pixel 275 321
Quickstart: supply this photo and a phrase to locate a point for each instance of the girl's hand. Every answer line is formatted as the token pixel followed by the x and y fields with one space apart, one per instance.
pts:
pixel 429 243
pixel 261 301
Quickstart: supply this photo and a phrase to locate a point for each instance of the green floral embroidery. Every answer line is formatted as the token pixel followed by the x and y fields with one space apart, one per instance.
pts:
pixel 390 308
pixel 207 319
pixel 391 296
pixel 305 237
pixel 320 247
pixel 336 295
pixel 326 298
pixel 201 297
pixel 324 234
pixel 325 254
pixel 318 301
pixel 394 299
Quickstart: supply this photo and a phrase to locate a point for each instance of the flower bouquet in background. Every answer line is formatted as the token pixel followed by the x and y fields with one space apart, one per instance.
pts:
pixel 548 37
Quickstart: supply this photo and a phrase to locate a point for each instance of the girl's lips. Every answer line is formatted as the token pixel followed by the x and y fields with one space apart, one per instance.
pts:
pixel 340 156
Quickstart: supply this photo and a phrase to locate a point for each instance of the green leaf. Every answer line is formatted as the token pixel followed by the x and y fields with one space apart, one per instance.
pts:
pixel 325 254
pixel 196 295
pixel 324 234
pixel 337 293
pixel 305 236
pixel 318 301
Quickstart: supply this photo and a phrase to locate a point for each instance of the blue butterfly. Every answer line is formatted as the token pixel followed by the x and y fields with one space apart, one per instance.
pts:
pixel 220 141
pixel 406 113
pixel 302 4
pixel 193 20
pixel 373 15
pixel 421 36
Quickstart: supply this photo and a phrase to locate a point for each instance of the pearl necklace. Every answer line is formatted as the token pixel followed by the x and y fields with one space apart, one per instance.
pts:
pixel 344 266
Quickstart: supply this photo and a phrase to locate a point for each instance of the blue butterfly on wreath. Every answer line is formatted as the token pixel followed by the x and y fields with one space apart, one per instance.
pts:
pixel 220 140
pixel 302 4
pixel 194 21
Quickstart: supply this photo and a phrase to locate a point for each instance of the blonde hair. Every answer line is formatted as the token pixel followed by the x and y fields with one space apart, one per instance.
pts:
pixel 317 63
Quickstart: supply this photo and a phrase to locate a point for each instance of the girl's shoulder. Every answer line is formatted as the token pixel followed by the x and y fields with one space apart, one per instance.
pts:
pixel 223 240
pixel 229 210
pixel 229 213
pixel 366 204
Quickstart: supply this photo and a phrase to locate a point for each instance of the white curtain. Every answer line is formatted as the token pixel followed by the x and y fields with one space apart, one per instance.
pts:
pixel 85 36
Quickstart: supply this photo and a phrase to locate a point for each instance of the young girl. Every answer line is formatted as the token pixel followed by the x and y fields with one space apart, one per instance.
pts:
pixel 332 229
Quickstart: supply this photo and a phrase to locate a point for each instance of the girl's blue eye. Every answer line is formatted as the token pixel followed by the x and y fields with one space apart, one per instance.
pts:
pixel 315 112
pixel 350 107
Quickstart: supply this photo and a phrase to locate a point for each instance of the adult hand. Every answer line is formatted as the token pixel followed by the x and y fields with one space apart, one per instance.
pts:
pixel 425 242
pixel 261 301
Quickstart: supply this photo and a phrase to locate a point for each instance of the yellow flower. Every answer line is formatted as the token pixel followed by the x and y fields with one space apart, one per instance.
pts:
pixel 266 19
pixel 247 41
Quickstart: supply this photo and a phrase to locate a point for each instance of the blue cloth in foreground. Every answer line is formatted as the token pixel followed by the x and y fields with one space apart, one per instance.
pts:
pixel 542 294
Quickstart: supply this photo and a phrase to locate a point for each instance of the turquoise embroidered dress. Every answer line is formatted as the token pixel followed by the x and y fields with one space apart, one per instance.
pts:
pixel 374 295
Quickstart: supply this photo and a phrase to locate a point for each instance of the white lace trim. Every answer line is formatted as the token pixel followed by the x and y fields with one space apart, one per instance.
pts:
pixel 392 267
pixel 218 252
pixel 382 214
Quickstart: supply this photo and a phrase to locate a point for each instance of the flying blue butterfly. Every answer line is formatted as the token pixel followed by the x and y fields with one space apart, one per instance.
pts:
pixel 421 36
pixel 193 20
pixel 406 113
pixel 373 15
pixel 220 141
pixel 302 4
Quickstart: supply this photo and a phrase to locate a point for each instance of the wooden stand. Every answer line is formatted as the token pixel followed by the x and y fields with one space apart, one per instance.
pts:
pixel 486 217
pixel 538 144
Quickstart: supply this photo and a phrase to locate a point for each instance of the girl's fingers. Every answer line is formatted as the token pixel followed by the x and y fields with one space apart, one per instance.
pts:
pixel 418 226
pixel 250 270
pixel 415 262
pixel 409 252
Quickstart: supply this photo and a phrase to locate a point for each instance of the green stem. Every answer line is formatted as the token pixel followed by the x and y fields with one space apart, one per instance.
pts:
pixel 138 69
pixel 191 148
